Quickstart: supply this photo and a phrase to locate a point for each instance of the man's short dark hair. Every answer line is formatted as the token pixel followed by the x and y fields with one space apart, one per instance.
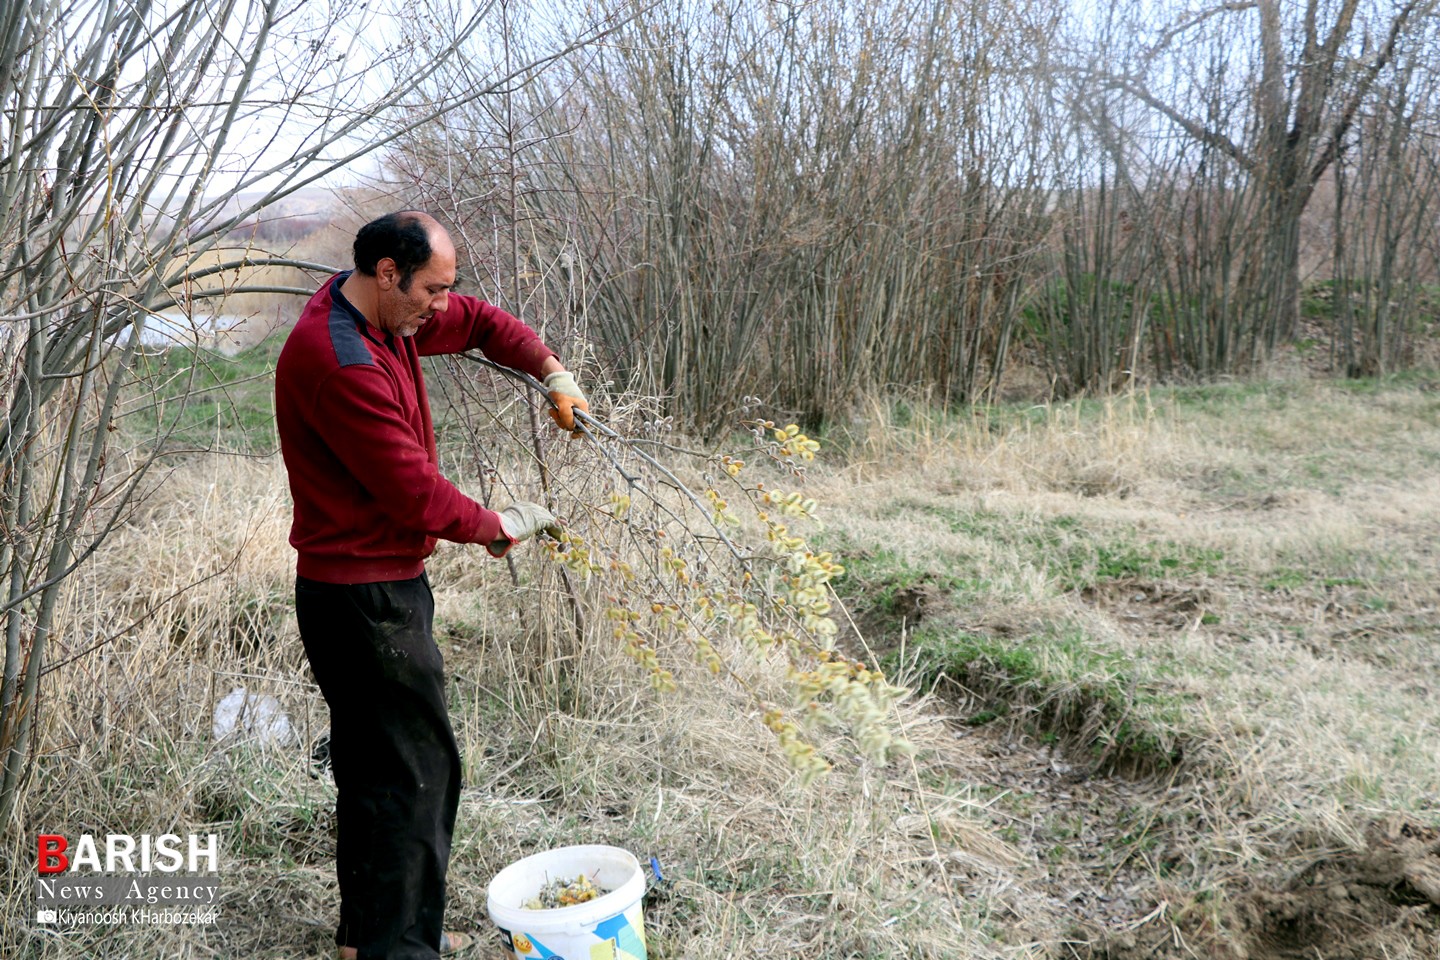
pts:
pixel 401 236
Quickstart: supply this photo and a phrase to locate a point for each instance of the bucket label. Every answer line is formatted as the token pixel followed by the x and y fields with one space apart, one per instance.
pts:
pixel 526 945
pixel 626 942
pixel 620 940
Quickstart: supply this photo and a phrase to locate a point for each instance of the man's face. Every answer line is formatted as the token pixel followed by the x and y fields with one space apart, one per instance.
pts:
pixel 403 312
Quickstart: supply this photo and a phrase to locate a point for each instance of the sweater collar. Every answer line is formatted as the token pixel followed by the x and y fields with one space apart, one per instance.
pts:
pixel 363 325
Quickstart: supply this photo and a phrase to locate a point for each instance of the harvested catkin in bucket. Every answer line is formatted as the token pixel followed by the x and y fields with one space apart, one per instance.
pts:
pixel 561 892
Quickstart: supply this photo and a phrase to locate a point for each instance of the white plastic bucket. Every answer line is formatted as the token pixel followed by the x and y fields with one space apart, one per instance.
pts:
pixel 610 927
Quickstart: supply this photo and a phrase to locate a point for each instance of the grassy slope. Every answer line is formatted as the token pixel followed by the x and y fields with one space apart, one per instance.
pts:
pixel 1183 649
pixel 1230 591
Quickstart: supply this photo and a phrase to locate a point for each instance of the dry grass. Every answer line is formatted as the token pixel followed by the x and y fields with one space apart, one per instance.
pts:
pixel 1204 571
pixel 562 743
pixel 1245 572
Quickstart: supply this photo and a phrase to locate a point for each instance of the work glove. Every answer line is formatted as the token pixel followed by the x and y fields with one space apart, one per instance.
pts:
pixel 565 394
pixel 521 521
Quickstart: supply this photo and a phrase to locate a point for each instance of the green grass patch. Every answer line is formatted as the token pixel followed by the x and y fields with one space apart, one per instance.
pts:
pixel 1074 554
pixel 880 578
pixel 193 399
pixel 1063 685
pixel 1291 578
pixel 1225 398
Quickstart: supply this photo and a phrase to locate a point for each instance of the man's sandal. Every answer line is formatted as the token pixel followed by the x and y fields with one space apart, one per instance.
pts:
pixel 451 941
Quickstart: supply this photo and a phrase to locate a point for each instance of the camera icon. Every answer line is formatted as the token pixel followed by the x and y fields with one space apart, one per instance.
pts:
pixel 46 916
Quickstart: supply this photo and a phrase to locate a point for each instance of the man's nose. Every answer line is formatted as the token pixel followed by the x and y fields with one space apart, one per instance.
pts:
pixel 439 304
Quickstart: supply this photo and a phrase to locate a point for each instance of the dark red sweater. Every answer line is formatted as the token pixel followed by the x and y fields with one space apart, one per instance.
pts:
pixel 358 442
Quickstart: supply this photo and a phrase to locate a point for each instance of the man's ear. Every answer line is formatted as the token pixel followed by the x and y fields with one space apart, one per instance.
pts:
pixel 387 275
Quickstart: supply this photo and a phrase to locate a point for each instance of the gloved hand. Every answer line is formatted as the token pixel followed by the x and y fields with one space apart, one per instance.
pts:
pixel 521 521
pixel 565 394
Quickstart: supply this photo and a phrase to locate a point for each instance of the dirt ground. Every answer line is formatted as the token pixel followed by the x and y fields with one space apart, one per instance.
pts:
pixel 1110 901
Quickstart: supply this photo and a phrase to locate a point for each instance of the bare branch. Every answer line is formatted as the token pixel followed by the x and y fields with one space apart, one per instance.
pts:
pixel 1195 129
pixel 1190 23
pixel 1336 138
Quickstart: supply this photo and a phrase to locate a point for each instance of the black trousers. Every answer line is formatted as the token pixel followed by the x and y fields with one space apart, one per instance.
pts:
pixel 396 765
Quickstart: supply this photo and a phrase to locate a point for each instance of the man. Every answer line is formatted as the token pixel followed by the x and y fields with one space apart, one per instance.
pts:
pixel 370 502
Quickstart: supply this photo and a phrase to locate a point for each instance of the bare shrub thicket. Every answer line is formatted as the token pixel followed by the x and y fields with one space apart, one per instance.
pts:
pixel 807 203
pixel 1385 204
pixel 802 203
pixel 1203 139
